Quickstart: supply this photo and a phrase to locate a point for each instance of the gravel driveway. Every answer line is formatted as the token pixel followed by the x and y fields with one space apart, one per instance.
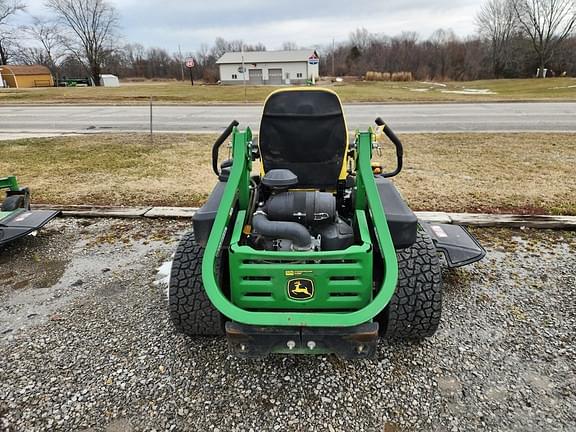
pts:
pixel 85 344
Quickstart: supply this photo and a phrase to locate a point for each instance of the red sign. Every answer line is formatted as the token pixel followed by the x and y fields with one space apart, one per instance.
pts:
pixel 189 62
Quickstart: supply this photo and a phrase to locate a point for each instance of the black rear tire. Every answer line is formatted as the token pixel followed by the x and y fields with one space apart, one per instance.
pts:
pixel 190 308
pixel 13 202
pixel 415 309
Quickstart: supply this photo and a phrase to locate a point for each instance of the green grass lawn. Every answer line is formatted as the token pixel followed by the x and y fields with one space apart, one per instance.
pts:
pixel 553 89
pixel 500 173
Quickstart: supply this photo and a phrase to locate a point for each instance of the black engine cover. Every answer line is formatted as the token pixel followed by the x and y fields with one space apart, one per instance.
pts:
pixel 307 208
pixel 335 236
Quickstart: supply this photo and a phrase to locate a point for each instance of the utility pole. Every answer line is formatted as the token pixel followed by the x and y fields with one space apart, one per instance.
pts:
pixel 151 129
pixel 181 62
pixel 243 72
pixel 333 53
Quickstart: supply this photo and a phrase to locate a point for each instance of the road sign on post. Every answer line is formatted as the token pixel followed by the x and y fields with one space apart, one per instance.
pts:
pixel 190 65
pixel 313 60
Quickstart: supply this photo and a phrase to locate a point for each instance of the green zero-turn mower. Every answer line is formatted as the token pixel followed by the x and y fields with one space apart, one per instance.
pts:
pixel 16 218
pixel 317 254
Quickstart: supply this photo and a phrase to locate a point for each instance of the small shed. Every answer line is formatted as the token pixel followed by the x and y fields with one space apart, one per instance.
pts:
pixel 20 76
pixel 107 80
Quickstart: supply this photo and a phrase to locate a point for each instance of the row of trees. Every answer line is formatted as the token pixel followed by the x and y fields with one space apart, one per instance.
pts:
pixel 542 26
pixel 514 38
pixel 79 31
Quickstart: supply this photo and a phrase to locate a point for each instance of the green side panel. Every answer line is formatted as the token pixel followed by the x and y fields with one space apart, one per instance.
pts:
pixel 341 280
pixel 12 184
pixel 5 214
pixel 9 183
pixel 10 214
pixel 236 198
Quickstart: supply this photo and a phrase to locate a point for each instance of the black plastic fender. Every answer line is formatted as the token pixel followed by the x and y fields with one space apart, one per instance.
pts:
pixel 204 218
pixel 402 222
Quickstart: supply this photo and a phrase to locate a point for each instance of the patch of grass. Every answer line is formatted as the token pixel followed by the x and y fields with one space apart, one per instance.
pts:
pixel 519 173
pixel 556 89
pixel 112 169
pixel 493 173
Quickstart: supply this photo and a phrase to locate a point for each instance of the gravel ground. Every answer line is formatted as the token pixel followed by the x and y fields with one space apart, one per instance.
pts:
pixel 85 344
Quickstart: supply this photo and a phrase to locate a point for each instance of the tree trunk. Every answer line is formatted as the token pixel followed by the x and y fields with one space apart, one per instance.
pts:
pixel 96 70
pixel 542 67
pixel 498 68
pixel 3 56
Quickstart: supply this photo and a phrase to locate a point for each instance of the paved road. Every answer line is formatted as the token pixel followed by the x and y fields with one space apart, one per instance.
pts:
pixel 482 117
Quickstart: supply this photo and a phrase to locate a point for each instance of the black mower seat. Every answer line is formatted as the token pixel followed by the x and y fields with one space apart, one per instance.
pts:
pixel 304 131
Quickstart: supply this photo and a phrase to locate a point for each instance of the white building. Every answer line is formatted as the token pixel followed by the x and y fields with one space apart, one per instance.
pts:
pixel 269 67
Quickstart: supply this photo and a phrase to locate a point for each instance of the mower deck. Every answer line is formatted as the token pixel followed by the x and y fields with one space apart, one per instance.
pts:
pixel 20 223
pixel 456 244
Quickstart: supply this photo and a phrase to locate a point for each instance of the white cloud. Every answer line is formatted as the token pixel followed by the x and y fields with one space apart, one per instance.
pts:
pixel 191 23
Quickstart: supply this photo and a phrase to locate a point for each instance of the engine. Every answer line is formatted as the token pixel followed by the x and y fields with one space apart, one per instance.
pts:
pixel 297 220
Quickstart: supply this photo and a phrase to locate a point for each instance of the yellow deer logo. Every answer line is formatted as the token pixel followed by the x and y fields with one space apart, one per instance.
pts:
pixel 300 289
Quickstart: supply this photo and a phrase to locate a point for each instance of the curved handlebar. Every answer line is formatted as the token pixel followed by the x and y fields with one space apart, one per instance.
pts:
pixel 397 143
pixel 219 142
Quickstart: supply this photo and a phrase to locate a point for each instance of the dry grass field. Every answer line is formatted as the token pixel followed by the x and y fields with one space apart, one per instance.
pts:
pixel 526 173
pixel 552 89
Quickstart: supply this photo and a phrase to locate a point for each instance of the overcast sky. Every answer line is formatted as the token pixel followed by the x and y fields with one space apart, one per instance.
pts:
pixel 167 23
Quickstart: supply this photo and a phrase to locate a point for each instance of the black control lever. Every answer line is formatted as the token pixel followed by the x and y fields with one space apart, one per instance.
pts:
pixel 219 142
pixel 397 143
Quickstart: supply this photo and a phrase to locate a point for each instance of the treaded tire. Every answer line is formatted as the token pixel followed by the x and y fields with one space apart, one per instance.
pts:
pixel 190 309
pixel 415 309
pixel 13 202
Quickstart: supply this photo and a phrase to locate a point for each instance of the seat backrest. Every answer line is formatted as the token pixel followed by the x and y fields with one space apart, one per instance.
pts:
pixel 304 130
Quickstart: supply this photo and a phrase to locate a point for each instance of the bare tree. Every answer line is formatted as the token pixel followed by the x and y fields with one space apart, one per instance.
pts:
pixel 92 25
pixel 547 23
pixel 31 56
pixel 441 41
pixel 361 39
pixel 404 52
pixel 48 35
pixel 289 46
pixel 8 8
pixel 497 23
pixel 222 46
pixel 8 45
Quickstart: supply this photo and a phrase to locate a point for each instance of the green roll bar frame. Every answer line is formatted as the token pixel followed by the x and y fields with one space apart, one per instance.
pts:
pixel 237 195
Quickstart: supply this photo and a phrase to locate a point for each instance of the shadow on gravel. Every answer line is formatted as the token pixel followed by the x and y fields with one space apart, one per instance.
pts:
pixel 34 261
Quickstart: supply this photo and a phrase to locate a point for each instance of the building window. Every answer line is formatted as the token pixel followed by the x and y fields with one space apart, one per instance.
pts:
pixel 299 75
pixel 287 75
pixel 234 76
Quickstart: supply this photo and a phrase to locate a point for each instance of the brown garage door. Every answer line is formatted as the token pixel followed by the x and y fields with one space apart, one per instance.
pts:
pixel 255 76
pixel 275 76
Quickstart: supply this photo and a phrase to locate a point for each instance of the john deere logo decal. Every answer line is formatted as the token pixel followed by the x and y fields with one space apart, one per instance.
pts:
pixel 300 289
